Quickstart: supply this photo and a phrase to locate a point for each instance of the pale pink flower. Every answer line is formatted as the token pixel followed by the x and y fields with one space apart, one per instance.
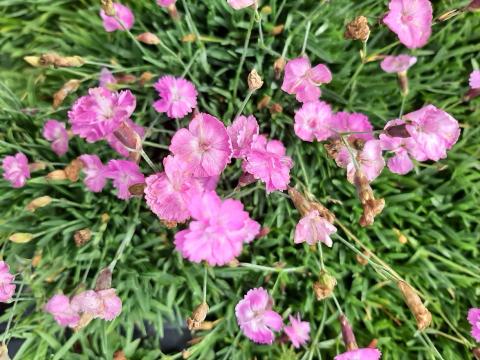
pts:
pixel 313 228
pixel 474 320
pixel 87 302
pixel 100 113
pixel 117 145
pixel 298 331
pixel 95 172
pixel 166 3
pixel 218 230
pixel 343 122
pixel 400 162
pixel 268 162
pixel 7 289
pixel 106 78
pixel 411 20
pixel 123 13
pixel 124 174
pixel 475 79
pixel 16 170
pixel 204 146
pixel 256 318
pixel 111 304
pixel 312 121
pixel 303 80
pixel 433 130
pixel 55 132
pixel 241 4
pixel 178 96
pixel 242 132
pixel 397 64
pixel 60 308
pixel 360 354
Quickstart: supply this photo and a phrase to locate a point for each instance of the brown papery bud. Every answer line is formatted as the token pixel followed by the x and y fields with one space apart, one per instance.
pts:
pixel 403 82
pixel 363 260
pixel 325 285
pixel 69 87
pixel 56 175
pixel 37 166
pixel 322 211
pixel 119 355
pixel 37 258
pixel 148 38
pixel 81 237
pixel 299 201
pixel 104 280
pixel 278 67
pixel 198 316
pixel 60 61
pixel 107 7
pixel 371 206
pixel 277 30
pixel 263 103
pixel 476 353
pixel 72 170
pixel 169 224
pixel 358 29
pixel 137 189
pixel 276 108
pixel 189 38
pixel 415 304
pixel 130 139
pixel 38 203
pixel 145 77
pixel 254 80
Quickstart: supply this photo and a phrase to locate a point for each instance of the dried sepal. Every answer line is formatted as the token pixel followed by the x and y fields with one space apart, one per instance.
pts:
pixel 254 80
pixel 81 237
pixel 415 304
pixel 104 280
pixel 56 175
pixel 198 316
pixel 371 206
pixel 53 59
pixel 323 288
pixel 69 87
pixel 38 203
pixel 72 170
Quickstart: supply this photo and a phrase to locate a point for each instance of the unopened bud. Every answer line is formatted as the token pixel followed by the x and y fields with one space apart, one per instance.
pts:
pixel 264 231
pixel 189 38
pixel 104 280
pixel 198 316
pixel 130 139
pixel 148 38
pixel 246 179
pixel 81 237
pixel 169 224
pixel 474 5
pixel 276 108
pixel 38 203
pixel 263 103
pixel 172 10
pixel 254 80
pixel 277 30
pixel 325 285
pixel 145 78
pixel 32 60
pixel 347 334
pixel 67 88
pixel 403 82
pixel 60 61
pixel 358 29
pixel 37 166
pixel 415 304
pixel 371 206
pixel 233 263
pixel 278 67
pixel 363 259
pixel 21 238
pixel 402 239
pixel 373 344
pixel 266 10
pixel 137 189
pixel 186 354
pixel 119 355
pixel 56 175
pixel 126 79
pixel 476 353
pixel 105 218
pixel 72 170
pixel 448 15
pixel 37 258
pixel 107 7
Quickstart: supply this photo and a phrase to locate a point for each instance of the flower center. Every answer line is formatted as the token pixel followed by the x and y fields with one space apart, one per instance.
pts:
pixel 407 18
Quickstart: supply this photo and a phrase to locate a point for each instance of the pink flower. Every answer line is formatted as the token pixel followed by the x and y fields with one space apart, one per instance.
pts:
pixel 313 120
pixel 241 4
pixel 123 13
pixel 400 163
pixel 298 331
pixel 267 161
pixel 7 289
pixel 433 130
pixel 166 3
pixel 111 304
pixel 87 302
pixel 343 122
pixel 411 21
pixel 100 113
pixel 256 318
pixel 475 79
pixel 218 231
pixel 117 145
pixel 124 174
pixel 106 78
pixel 55 132
pixel 242 132
pixel 360 354
pixel 397 64
pixel 16 170
pixel 313 228
pixel 63 313
pixel 178 97
pixel 303 80
pixel 474 320
pixel 204 146
pixel 95 172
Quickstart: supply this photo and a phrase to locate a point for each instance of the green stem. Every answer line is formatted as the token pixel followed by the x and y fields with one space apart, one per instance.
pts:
pixel 337 304
pixel 305 39
pixel 402 106
pixel 244 103
pixel 10 318
pixel 272 269
pixel 244 55
pixel 205 277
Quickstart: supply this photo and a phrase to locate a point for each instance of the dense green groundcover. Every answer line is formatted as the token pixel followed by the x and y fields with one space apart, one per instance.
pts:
pixel 436 207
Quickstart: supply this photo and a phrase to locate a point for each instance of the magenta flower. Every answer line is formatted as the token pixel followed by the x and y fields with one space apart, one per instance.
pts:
pixel 124 174
pixel 166 3
pixel 474 320
pixel 411 21
pixel 343 122
pixel 313 121
pixel 298 331
pixel 360 354
pixel 178 97
pixel 59 306
pixel 397 64
pixel 106 78
pixel 218 230
pixel 303 80
pixel 204 146
pixel 87 302
pixel 242 132
pixel 400 163
pixel 123 13
pixel 7 289
pixel 241 4
pixel 313 228
pixel 100 113
pixel 475 79
pixel 16 170
pixel 267 161
pixel 111 304
pixel 256 318
pixel 117 145
pixel 55 132
pixel 95 172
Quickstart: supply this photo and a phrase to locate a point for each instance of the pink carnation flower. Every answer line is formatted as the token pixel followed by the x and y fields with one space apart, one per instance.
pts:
pixel 218 231
pixel 87 302
pixel 267 161
pixel 313 228
pixel 397 64
pixel 60 308
pixel 16 170
pixel 95 172
pixel 178 97
pixel 474 320
pixel 298 331
pixel 360 354
pixel 123 13
pixel 242 132
pixel 55 132
pixel 117 145
pixel 7 289
pixel 241 4
pixel 100 113
pixel 343 122
pixel 124 174
pixel 411 21
pixel 111 304
pixel 106 78
pixel 400 163
pixel 166 3
pixel 303 80
pixel 312 121
pixel 204 146
pixel 433 130
pixel 475 79
pixel 256 318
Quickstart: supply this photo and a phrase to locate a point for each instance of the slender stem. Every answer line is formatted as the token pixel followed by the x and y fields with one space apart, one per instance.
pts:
pixel 137 43
pixel 126 240
pixel 244 55
pixel 205 277
pixel 402 106
pixel 322 265
pixel 258 18
pixel 148 160
pixel 304 171
pixel 155 145
pixel 305 39
pixel 337 304
pixel 10 319
pixel 271 269
pixel 244 103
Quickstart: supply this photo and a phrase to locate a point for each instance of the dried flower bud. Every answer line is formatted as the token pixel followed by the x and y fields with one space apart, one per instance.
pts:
pixel 148 38
pixel 263 103
pixel 126 79
pixel 322 211
pixel 358 29
pixel 245 179
pixel 85 319
pixel 299 201
pixel 21 238
pixel 145 78
pixel 67 88
pixel 415 304
pixel 403 82
pixel 60 61
pixel 325 285
pixel 104 280
pixel 137 189
pixel 254 80
pixel 363 260
pixel 277 30
pixel 397 131
pixel 56 175
pixel 234 263
pixel 131 140
pixel 276 108
pixel 4 352
pixel 37 258
pixel 37 166
pixel 373 344
pixel 476 353
pixel 402 239
pixel 264 231
pixel 266 10
pixel 371 206
pixel 81 237
pixel 198 316
pixel 189 38
pixel 72 170
pixel 119 355
pixel 347 333
pixel 278 67
pixel 107 7
pixel 32 60
pixel 38 203
pixel 105 218
pixel 169 224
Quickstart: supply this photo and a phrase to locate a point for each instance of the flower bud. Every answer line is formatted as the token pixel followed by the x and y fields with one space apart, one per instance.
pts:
pixel 276 108
pixel 402 239
pixel 60 61
pixel 169 224
pixel 37 166
pixel 476 353
pixel 266 10
pixel 474 5
pixel 32 60
pixel 277 30
pixel 448 15
pixel 137 189
pixel 85 319
pixel 264 231
pixel 148 38
pixel 397 131
pixel 21 238
pixel 403 82
pixel 119 355
pixel 104 280
pixel 371 206
pixel 233 263
pixel 67 88
pixel 254 80
pixel 358 29
pixel 105 218
pixel 37 258
pixel 107 7
pixel 198 316
pixel 72 170
pixel 186 354
pixel 145 78
pixel 278 67
pixel 172 10
pixel 56 175
pixel 415 304
pixel 130 139
pixel 245 179
pixel 363 260
pixel 38 203
pixel 189 38
pixel 81 237
pixel 325 285
pixel 263 103
pixel 347 334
